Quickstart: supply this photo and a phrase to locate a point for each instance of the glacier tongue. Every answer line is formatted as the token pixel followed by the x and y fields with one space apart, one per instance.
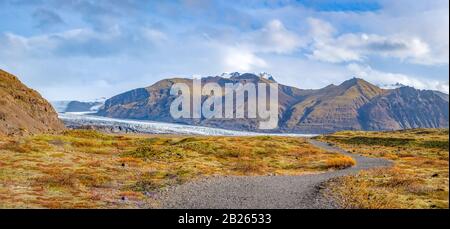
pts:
pixel 151 127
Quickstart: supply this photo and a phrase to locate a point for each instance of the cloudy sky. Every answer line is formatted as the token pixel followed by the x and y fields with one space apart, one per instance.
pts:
pixel 86 49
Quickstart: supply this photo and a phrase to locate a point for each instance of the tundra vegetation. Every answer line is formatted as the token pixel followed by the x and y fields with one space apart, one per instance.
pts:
pixel 418 179
pixel 89 169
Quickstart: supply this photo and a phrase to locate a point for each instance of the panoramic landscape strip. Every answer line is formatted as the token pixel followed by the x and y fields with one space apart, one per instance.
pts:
pixel 149 114
pixel 114 163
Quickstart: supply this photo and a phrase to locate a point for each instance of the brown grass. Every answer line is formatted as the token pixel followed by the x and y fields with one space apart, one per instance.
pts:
pixel 340 162
pixel 419 178
pixel 89 169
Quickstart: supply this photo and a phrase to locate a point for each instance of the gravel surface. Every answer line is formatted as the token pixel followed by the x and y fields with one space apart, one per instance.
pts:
pixel 261 192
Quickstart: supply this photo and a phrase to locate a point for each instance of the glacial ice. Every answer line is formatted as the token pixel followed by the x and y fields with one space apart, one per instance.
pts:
pixel 152 127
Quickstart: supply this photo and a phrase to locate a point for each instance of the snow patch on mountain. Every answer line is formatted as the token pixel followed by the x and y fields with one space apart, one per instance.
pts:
pixel 391 86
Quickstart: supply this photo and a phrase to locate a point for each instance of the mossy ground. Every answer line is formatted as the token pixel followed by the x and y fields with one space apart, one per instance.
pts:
pixel 89 169
pixel 419 178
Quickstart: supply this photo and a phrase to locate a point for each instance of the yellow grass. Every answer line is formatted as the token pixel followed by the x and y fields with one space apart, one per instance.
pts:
pixel 340 162
pixel 88 169
pixel 418 179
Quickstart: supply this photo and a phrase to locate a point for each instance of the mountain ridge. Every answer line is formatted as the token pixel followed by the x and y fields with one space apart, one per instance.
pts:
pixel 346 106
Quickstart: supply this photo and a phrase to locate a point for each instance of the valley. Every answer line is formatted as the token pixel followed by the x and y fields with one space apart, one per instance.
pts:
pixel 123 157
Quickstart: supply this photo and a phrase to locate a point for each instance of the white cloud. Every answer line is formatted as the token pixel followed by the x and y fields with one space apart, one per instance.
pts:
pixel 320 30
pixel 360 46
pixel 13 45
pixel 305 73
pixel 241 60
pixel 426 21
pixel 333 54
pixel 242 53
pixel 48 45
pixel 273 38
pixel 137 50
pixel 387 78
pixel 443 86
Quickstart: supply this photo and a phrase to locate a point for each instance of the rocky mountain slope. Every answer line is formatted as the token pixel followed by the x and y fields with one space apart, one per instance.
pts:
pixel 405 108
pixel 153 103
pixel 23 110
pixel 332 108
pixel 353 105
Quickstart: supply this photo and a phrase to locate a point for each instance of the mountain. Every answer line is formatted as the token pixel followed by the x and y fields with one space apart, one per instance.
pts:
pixel 353 105
pixel 76 106
pixel 405 108
pixel 23 110
pixel 153 103
pixel 442 95
pixel 332 108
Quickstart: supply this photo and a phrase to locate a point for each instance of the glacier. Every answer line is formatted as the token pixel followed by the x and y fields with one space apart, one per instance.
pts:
pixel 152 127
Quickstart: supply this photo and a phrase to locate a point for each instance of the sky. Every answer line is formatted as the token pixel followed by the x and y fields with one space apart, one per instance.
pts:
pixel 86 49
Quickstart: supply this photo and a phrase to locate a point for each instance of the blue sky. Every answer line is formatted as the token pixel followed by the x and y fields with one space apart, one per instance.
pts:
pixel 85 49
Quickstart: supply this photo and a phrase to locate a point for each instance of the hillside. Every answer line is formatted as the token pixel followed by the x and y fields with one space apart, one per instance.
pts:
pixel 405 108
pixel 153 103
pixel 332 108
pixel 353 105
pixel 23 110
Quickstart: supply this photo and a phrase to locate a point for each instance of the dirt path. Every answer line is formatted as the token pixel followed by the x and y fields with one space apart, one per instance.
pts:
pixel 261 192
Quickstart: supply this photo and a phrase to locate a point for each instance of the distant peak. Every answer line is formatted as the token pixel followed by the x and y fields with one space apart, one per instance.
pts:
pixel 267 76
pixel 230 75
pixel 391 86
pixel 264 75
pixel 407 88
pixel 237 75
pixel 356 81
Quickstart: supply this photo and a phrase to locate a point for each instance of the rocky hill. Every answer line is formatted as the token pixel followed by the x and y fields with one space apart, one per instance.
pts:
pixel 332 108
pixel 23 110
pixel 405 108
pixel 353 105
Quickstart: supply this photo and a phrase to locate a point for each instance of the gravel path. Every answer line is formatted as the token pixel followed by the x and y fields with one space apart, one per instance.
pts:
pixel 259 192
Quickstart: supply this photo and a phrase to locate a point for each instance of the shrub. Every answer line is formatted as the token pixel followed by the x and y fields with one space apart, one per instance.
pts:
pixel 340 163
